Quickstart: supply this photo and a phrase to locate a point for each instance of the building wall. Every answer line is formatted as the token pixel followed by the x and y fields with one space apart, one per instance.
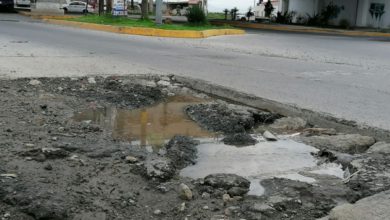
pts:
pixel 358 15
pixel 303 7
pixel 348 13
pixel 372 21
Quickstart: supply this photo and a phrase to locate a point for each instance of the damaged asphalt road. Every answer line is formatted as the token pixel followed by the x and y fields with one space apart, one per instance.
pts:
pixel 55 167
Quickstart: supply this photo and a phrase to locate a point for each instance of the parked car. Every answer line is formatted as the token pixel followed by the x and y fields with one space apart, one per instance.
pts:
pixel 7 5
pixel 78 7
pixel 22 3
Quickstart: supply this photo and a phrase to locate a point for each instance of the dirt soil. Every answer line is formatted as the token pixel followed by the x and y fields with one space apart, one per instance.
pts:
pixel 53 167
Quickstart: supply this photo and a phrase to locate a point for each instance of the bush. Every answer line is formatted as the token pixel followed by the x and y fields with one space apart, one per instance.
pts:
pixel 331 11
pixel 196 16
pixel 314 20
pixel 285 18
pixel 344 23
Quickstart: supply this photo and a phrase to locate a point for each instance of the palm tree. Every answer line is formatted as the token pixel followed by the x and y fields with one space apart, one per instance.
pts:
pixel 226 11
pixel 233 13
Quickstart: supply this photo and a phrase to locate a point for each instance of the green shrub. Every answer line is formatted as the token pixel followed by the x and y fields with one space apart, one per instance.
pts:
pixel 286 17
pixel 344 23
pixel 196 16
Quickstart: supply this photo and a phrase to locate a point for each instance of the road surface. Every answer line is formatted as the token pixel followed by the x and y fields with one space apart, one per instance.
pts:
pixel 343 76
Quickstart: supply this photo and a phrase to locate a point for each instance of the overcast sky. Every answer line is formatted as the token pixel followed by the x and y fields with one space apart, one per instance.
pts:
pixel 220 5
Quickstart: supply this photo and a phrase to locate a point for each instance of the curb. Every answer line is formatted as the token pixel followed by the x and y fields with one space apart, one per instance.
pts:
pixel 303 30
pixel 146 31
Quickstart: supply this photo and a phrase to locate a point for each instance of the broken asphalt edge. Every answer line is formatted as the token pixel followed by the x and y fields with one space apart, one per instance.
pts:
pixel 324 120
pixel 155 32
pixel 298 29
pixel 321 119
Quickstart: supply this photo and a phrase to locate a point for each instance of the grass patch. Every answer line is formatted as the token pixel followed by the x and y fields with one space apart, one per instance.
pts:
pixel 128 22
pixel 215 15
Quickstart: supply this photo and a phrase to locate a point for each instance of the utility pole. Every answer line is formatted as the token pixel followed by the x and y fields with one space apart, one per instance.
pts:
pixel 159 4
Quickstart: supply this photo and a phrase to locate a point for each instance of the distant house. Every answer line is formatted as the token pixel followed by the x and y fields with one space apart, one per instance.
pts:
pixel 359 13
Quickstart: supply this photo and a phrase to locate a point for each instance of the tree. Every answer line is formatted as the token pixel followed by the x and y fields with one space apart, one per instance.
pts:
pixel 226 12
pixel 250 13
pixel 144 9
pixel 132 4
pixel 268 9
pixel 109 7
pixel 233 13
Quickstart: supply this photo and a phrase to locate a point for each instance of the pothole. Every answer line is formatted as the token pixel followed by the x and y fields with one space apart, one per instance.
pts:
pixel 284 158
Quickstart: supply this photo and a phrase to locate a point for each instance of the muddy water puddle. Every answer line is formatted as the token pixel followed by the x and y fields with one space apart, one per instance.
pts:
pixel 284 158
pixel 151 126
pixel 155 125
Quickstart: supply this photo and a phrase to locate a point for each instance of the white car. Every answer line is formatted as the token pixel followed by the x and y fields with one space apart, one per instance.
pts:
pixel 78 7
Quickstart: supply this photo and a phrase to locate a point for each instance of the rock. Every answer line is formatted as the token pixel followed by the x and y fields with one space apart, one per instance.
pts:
pixel 375 207
pixel 205 195
pixel 182 207
pixel 262 117
pixel 150 84
pixel 373 174
pixel 218 217
pixel 319 131
pixel 157 212
pixel 232 209
pixel 380 147
pixel 333 156
pixel 226 181
pixel 159 167
pixel 48 167
pixel 239 139
pixel 34 82
pixel 185 192
pixel 182 151
pixel 269 136
pixel 163 83
pixel 237 191
pixel 225 118
pixel 91 80
pixel 91 216
pixel 346 143
pixel 205 207
pixel 54 153
pixel 131 159
pixel 289 124
pixel 261 207
pixel 47 209
pixel 7 215
pixel 226 198
pixel 8 175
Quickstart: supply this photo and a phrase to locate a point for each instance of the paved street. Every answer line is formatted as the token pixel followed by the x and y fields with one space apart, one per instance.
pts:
pixel 346 77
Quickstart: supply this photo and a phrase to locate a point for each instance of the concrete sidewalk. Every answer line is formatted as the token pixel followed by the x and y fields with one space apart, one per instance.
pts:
pixel 300 29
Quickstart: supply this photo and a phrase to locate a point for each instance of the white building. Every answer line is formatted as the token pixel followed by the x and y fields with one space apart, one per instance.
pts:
pixel 359 13
pixel 259 8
